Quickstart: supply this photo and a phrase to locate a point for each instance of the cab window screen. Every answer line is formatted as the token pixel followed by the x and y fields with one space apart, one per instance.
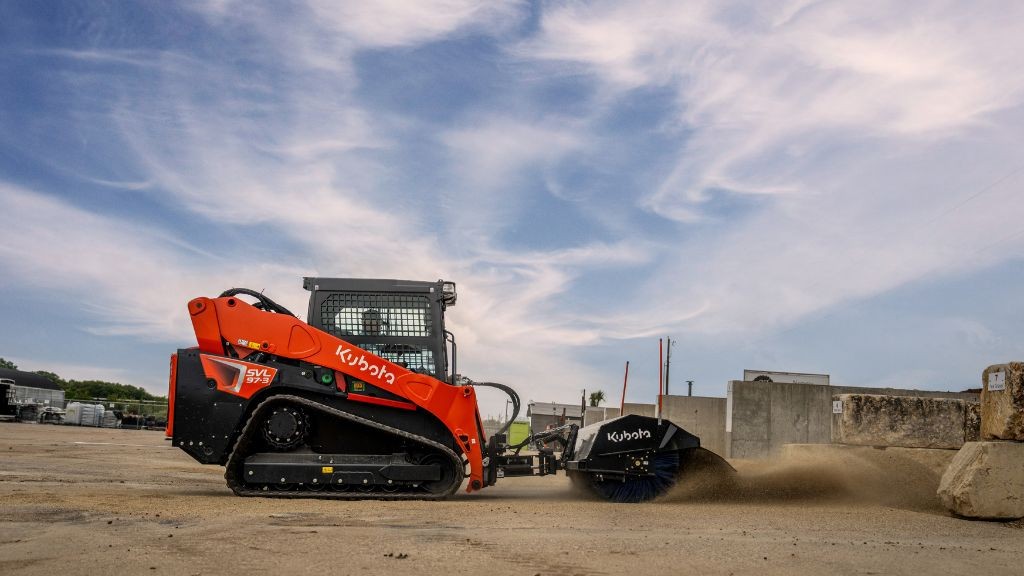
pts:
pixel 377 315
pixel 412 357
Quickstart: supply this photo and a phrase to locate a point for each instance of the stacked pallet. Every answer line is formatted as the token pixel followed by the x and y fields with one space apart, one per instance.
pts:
pixel 79 414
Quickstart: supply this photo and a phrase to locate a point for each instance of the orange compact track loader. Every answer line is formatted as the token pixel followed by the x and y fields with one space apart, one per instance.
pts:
pixel 364 401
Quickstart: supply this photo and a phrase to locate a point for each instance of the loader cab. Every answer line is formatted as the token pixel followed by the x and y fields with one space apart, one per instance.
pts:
pixel 400 320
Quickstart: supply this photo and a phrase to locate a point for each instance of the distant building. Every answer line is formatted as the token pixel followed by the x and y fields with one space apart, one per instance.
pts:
pixel 543 414
pixel 28 388
pixel 785 377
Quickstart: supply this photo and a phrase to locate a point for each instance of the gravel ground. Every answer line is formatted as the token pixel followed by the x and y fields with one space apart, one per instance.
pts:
pixel 78 500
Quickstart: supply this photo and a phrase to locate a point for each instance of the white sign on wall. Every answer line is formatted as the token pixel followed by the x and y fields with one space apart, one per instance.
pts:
pixel 996 381
pixel 837 406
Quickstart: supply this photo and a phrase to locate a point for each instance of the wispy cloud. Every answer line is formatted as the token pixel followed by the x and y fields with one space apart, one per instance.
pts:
pixel 131 279
pixel 729 169
pixel 854 121
pixel 395 23
pixel 311 177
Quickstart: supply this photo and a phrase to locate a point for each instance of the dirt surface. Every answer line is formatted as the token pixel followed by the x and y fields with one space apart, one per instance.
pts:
pixel 91 501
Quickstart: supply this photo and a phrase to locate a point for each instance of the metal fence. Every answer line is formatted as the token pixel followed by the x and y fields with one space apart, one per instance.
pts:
pixel 42 396
pixel 136 414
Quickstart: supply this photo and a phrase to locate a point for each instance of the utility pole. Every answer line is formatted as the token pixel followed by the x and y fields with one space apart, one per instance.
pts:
pixel 583 408
pixel 668 360
pixel 661 380
pixel 689 385
pixel 625 380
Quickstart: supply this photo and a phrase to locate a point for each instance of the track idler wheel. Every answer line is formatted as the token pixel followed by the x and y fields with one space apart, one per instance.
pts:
pixel 285 428
pixel 448 473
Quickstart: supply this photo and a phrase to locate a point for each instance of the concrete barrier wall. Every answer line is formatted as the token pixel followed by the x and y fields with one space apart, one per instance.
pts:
pixel 701 416
pixel 641 409
pixel 763 416
pixel 610 413
pixel 758 418
pixel 600 413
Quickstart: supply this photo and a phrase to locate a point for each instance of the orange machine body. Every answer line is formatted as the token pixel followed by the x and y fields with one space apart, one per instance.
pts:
pixel 248 329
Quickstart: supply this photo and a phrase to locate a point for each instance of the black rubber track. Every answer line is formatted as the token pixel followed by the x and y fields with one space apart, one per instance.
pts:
pixel 233 471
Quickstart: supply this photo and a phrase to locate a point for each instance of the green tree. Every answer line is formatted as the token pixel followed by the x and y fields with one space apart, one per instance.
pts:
pixel 596 398
pixel 110 390
pixel 51 376
pixel 88 389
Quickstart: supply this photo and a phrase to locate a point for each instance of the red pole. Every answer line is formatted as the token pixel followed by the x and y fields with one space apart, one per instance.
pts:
pixel 661 379
pixel 625 379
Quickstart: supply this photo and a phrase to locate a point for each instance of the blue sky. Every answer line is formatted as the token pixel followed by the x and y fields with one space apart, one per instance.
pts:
pixel 805 186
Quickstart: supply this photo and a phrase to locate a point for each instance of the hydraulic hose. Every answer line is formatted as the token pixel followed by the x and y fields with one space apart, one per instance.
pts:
pixel 265 301
pixel 511 394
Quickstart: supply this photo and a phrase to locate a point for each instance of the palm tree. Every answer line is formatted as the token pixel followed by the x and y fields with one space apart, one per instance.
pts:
pixel 596 398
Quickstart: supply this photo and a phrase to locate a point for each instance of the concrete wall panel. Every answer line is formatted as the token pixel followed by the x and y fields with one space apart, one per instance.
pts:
pixel 641 409
pixel 761 417
pixel 750 436
pixel 701 416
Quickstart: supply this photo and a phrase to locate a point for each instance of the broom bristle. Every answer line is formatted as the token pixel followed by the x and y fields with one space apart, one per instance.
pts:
pixel 665 466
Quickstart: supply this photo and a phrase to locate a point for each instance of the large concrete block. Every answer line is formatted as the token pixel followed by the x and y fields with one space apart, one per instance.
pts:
pixel 985 480
pixel 972 422
pixel 907 421
pixel 969 396
pixel 1002 402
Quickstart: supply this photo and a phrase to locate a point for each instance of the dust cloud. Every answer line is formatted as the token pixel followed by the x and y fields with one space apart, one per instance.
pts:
pixel 897 478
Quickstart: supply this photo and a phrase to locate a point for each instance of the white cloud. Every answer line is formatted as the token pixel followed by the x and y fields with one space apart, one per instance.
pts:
pixel 861 128
pixel 132 279
pixel 205 147
pixel 871 70
pixel 492 159
pixel 324 35
pixel 393 23
pixel 859 124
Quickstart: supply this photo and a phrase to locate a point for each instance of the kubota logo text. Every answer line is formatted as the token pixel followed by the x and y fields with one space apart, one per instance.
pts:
pixel 363 365
pixel 621 436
